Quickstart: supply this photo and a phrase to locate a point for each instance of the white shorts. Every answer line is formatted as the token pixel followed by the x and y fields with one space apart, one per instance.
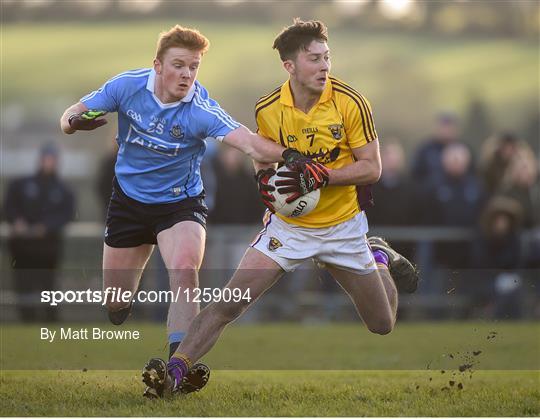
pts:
pixel 343 245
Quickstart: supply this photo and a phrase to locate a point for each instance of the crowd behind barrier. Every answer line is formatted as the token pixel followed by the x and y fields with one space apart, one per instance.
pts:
pixel 470 222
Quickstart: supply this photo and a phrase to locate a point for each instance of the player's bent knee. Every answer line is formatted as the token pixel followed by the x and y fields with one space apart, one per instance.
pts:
pixel 184 276
pixel 185 267
pixel 381 328
pixel 185 263
pixel 113 306
pixel 184 282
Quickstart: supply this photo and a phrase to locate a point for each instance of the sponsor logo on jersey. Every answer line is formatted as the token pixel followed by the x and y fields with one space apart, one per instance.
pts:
pixel 291 138
pixel 151 142
pixel 274 244
pixel 176 132
pixel 310 130
pixel 335 129
pixel 134 115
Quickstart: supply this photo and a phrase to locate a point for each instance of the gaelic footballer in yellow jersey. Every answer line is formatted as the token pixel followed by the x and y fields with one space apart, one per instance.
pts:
pixel 323 118
pixel 340 121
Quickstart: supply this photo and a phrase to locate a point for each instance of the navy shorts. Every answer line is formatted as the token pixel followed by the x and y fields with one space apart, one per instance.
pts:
pixel 131 223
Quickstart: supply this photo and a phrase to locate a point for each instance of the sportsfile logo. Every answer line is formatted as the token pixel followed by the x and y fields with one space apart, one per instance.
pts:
pixel 118 295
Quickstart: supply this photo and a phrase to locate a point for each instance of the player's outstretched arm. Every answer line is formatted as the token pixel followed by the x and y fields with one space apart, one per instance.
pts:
pixel 255 146
pixel 79 117
pixel 366 170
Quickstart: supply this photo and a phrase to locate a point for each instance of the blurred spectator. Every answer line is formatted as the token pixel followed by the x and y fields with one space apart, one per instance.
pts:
pixel 454 201
pixel 426 163
pixel 499 244
pixel 37 208
pixel 237 200
pixel 428 177
pixel 521 182
pixel 509 167
pixel 393 186
pixel 105 177
pixel 496 156
pixel 495 285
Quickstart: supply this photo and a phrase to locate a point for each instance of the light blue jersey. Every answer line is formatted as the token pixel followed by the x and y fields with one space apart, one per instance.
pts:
pixel 160 145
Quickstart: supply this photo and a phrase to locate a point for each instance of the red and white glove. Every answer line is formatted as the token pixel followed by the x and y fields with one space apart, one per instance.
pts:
pixel 262 177
pixel 305 175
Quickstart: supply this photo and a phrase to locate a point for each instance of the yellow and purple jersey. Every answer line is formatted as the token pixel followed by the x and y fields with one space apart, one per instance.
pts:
pixel 339 122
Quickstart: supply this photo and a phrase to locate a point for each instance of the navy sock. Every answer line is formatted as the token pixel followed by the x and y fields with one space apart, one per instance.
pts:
pixel 174 341
pixel 172 348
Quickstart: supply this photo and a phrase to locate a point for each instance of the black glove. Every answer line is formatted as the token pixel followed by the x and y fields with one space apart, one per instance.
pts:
pixel 262 177
pixel 305 175
pixel 87 121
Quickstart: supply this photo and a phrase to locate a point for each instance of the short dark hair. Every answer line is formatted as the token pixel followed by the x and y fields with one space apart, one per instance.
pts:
pixel 298 36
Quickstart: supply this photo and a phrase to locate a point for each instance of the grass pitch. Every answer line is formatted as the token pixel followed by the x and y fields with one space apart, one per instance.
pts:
pixel 275 393
pixel 420 369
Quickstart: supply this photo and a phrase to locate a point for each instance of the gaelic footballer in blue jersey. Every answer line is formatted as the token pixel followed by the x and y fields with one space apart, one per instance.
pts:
pixel 164 117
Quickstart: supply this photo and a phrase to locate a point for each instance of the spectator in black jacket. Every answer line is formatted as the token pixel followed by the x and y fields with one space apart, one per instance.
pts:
pixel 237 200
pixel 393 187
pixel 427 164
pixel 37 208
pixel 394 195
pixel 454 200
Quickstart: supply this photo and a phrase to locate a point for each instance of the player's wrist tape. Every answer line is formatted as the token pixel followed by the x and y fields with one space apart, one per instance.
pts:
pixel 184 358
pixel 290 154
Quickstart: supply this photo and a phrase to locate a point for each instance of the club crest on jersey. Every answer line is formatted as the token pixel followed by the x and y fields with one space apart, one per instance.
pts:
pixel 274 244
pixel 176 132
pixel 335 129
